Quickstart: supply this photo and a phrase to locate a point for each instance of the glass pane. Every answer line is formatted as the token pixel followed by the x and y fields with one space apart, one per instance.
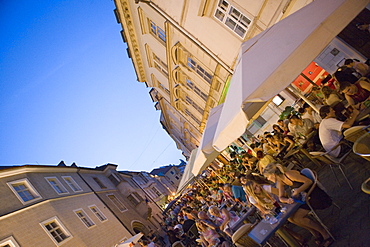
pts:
pixel 245 21
pixel 223 5
pixel 230 23
pixel 240 31
pixel 235 13
pixel 219 15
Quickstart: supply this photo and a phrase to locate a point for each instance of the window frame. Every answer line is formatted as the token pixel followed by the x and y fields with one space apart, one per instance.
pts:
pixel 199 70
pixel 98 212
pixel 9 241
pixel 36 195
pixel 99 183
pixel 60 225
pixel 157 32
pixel 58 183
pixel 85 219
pixel 119 202
pixel 228 15
pixel 75 184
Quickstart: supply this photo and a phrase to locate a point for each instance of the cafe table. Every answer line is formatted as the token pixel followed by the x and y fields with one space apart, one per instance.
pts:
pixel 242 218
pixel 302 150
pixel 264 230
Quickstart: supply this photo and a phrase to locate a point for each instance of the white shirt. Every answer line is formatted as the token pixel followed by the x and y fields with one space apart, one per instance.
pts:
pixel 330 133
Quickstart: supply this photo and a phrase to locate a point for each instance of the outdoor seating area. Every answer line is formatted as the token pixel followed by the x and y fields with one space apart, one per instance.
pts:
pixel 266 194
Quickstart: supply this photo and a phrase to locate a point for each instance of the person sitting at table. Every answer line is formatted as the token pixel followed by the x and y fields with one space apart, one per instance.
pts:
pixel 236 190
pixel 332 99
pixel 300 183
pixel 274 143
pixel 356 93
pixel 361 68
pixel 208 232
pixel 284 125
pixel 263 161
pixel 330 130
pixel 302 127
pixel 249 161
pixel 308 112
pixel 224 218
pixel 260 196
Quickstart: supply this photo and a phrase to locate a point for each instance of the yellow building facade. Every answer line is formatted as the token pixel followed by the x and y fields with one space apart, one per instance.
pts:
pixel 186 52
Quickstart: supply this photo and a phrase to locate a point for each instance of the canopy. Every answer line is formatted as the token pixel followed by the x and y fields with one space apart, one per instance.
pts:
pixel 131 241
pixel 188 176
pixel 270 61
pixel 205 153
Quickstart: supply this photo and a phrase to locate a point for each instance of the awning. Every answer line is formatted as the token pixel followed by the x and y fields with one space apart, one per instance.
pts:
pixel 270 61
pixel 188 176
pixel 131 241
pixel 206 154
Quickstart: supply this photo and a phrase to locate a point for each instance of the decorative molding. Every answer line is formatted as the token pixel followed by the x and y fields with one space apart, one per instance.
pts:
pixel 133 45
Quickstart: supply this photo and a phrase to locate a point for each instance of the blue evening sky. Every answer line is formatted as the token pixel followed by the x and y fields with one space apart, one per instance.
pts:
pixel 69 91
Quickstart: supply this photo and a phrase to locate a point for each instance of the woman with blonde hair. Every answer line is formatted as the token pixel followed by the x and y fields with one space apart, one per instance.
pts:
pixel 259 197
pixel 224 218
pixel 300 183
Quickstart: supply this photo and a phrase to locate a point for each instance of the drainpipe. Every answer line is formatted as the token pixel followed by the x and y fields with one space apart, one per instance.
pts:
pixel 187 34
pixel 106 205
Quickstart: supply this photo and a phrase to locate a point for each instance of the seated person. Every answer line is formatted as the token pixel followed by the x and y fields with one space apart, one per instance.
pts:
pixel 302 128
pixel 356 93
pixel 318 199
pixel 330 130
pixel 263 161
pixel 361 68
pixel 224 218
pixel 310 113
pixel 235 190
pixel 208 233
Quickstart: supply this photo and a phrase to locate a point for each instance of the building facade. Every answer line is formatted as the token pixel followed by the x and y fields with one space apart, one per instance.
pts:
pixel 54 206
pixel 186 52
pixel 71 206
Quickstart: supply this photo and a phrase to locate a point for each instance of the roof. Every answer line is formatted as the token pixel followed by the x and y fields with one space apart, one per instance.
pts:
pixel 161 171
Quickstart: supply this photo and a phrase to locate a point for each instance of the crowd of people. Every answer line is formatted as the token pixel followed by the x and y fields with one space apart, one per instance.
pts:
pixel 259 176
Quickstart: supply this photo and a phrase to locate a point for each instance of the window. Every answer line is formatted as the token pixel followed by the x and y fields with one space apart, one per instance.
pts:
pixel 232 18
pixel 160 65
pixel 101 185
pixel 191 102
pixel 56 230
pixel 9 242
pixel 172 172
pixel 117 203
pixel 177 177
pixel 98 213
pixel 114 179
pixel 84 218
pixel 72 183
pixel 187 112
pixel 196 89
pixel 56 185
pixel 199 70
pixel 24 190
pixel 164 88
pixel 144 176
pixel 157 31
pixel 156 191
pixel 135 198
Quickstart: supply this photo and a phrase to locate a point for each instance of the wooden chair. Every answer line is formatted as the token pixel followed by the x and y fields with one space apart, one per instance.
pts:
pixel 240 238
pixel 326 158
pixel 313 176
